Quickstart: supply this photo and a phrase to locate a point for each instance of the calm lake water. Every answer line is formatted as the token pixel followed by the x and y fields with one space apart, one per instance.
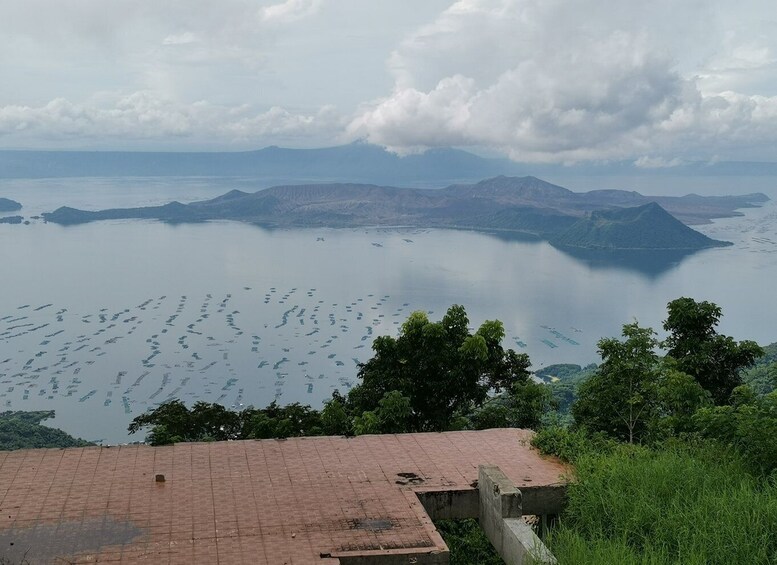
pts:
pixel 102 321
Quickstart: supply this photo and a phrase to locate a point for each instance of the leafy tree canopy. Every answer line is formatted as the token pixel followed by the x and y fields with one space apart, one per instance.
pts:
pixel 622 395
pixel 714 360
pixel 441 367
pixel 173 422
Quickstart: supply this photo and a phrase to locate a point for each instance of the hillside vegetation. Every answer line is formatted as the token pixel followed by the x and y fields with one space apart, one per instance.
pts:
pixel 23 430
pixel 643 227
pixel 519 205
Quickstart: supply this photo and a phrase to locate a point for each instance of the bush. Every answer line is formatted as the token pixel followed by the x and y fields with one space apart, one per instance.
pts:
pixel 669 506
pixel 569 445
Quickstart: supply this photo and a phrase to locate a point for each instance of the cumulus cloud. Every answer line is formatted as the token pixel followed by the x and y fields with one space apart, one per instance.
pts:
pixel 290 10
pixel 556 80
pixel 647 162
pixel 180 39
pixel 144 116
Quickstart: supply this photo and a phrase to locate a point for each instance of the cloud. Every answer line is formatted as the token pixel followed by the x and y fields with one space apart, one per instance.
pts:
pixel 646 162
pixel 290 10
pixel 143 116
pixel 574 80
pixel 180 39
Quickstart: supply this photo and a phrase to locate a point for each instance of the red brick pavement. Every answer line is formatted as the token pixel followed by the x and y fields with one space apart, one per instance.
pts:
pixel 296 501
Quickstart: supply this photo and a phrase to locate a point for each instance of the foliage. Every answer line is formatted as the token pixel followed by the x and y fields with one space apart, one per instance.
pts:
pixel 468 543
pixel 560 371
pixel 714 360
pixel 23 430
pixel 669 506
pixel 571 444
pixel 523 406
pixel 621 398
pixel 173 422
pixel 335 420
pixel 762 376
pixel 679 397
pixel 441 367
pixel 749 425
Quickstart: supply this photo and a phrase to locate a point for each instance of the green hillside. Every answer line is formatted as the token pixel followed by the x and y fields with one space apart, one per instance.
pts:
pixel 647 227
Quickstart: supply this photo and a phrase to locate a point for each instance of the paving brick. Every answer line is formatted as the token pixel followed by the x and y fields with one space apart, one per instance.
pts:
pixel 296 501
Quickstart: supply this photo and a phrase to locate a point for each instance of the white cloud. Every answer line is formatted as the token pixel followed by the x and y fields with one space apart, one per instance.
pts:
pixel 144 116
pixel 542 80
pixel 180 39
pixel 646 162
pixel 555 80
pixel 290 10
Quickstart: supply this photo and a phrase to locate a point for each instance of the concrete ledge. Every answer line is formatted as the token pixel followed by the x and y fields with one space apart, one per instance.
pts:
pixel 450 504
pixel 500 517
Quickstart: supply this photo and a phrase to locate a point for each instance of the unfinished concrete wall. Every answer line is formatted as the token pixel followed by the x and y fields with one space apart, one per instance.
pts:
pixel 500 512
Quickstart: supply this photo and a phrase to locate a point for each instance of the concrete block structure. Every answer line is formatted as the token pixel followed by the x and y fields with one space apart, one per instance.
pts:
pixel 304 501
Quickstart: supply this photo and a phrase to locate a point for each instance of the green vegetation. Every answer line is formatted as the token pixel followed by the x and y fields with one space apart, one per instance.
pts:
pixel 674 504
pixel 468 543
pixel 714 360
pixel 675 454
pixel 434 376
pixel 23 430
pixel 701 488
pixel 762 376
pixel 647 227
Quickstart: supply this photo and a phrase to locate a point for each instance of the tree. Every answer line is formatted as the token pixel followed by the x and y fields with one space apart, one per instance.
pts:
pixel 714 360
pixel 173 422
pixel 335 420
pixel 749 425
pixel 621 397
pixel 523 406
pixel 441 367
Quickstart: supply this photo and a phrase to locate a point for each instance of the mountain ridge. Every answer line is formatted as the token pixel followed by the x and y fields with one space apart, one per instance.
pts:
pixel 525 205
pixel 645 227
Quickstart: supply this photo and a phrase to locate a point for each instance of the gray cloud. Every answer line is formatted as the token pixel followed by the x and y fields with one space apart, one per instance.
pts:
pixel 143 117
pixel 655 82
pixel 574 80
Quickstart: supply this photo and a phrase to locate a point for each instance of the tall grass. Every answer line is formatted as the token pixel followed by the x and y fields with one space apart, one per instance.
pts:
pixel 674 505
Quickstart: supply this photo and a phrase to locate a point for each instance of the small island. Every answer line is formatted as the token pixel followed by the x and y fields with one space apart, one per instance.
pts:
pixel 11 219
pixel 505 205
pixel 8 205
pixel 647 227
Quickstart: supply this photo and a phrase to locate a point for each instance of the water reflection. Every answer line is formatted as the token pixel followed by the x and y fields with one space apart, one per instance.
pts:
pixel 648 263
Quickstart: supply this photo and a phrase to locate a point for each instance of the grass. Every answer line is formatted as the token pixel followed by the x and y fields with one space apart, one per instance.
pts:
pixel 669 506
pixel 468 543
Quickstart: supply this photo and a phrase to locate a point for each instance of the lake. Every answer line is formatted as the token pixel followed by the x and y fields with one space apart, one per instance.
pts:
pixel 104 320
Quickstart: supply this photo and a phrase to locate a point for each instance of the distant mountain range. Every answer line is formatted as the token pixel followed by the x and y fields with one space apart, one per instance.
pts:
pixel 525 205
pixel 356 162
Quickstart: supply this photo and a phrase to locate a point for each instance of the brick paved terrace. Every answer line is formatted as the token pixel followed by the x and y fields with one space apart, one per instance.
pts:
pixel 317 500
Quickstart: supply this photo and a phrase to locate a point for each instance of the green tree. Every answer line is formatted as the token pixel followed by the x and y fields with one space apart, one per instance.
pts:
pixel 274 421
pixel 523 406
pixel 441 367
pixel 621 397
pixel 173 422
pixel 749 425
pixel 679 397
pixel 714 360
pixel 335 420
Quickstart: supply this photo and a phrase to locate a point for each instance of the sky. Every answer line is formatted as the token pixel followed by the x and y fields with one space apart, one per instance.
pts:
pixel 656 83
